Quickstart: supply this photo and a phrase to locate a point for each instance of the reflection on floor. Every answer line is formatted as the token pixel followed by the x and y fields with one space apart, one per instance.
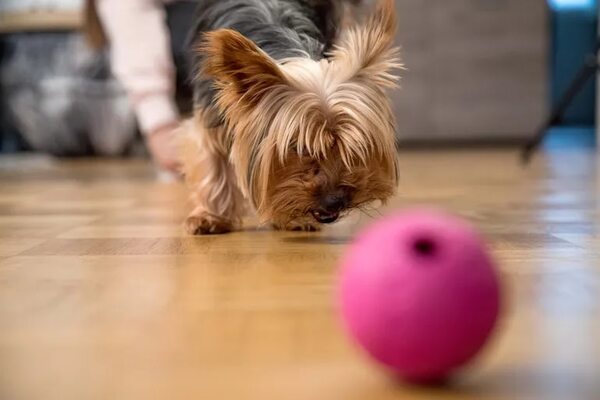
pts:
pixel 102 295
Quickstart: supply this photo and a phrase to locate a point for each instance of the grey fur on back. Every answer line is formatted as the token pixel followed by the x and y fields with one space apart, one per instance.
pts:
pixel 282 28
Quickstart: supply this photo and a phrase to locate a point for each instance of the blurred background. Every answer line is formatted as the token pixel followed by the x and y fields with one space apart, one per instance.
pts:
pixel 489 70
pixel 478 72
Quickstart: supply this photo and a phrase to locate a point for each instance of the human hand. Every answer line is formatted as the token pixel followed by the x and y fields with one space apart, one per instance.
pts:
pixel 162 146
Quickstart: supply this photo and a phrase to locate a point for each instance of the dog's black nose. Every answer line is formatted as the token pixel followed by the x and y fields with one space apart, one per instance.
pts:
pixel 335 201
pixel 330 206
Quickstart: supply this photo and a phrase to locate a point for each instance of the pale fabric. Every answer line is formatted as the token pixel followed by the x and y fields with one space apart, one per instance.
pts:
pixel 39 5
pixel 141 58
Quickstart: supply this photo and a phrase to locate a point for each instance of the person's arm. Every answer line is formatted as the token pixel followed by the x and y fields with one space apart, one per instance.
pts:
pixel 142 60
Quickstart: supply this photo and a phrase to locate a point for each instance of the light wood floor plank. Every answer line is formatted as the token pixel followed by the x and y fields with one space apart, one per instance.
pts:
pixel 103 296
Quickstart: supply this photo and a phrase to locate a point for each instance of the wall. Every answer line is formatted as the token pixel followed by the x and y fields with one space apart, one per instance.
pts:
pixel 477 69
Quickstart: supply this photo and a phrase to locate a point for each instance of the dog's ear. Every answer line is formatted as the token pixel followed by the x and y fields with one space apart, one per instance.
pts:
pixel 366 51
pixel 239 67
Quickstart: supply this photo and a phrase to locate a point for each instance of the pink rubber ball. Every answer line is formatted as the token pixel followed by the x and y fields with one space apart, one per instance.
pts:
pixel 419 292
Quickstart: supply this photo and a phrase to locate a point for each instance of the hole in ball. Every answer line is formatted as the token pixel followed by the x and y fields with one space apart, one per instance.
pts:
pixel 425 247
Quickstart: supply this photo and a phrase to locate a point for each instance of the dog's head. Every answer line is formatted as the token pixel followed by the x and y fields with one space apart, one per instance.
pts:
pixel 311 139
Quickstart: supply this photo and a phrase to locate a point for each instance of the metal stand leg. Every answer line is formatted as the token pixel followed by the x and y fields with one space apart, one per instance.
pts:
pixel 587 71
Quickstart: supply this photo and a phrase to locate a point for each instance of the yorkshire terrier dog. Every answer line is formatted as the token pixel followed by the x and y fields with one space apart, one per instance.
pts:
pixel 291 113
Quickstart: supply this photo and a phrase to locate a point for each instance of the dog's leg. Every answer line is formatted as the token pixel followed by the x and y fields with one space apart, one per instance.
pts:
pixel 218 203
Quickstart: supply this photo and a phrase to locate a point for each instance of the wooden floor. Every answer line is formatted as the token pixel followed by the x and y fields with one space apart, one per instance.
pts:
pixel 102 295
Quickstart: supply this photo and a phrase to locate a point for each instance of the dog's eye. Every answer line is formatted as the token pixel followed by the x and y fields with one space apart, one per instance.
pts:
pixel 311 173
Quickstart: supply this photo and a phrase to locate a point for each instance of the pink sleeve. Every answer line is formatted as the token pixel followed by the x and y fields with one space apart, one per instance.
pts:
pixel 141 58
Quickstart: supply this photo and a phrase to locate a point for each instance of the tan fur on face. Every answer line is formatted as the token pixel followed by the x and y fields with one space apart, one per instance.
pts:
pixel 301 179
pixel 287 118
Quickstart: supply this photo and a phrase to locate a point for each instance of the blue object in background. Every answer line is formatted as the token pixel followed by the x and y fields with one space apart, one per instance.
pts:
pixel 575 29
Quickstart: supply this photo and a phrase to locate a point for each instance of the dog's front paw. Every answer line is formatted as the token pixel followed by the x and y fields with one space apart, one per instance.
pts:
pixel 298 227
pixel 207 224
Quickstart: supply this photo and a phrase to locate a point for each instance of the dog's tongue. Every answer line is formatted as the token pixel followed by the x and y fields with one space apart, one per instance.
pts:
pixel 325 217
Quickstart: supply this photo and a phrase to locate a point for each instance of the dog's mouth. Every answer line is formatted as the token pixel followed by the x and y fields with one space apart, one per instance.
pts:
pixel 325 217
